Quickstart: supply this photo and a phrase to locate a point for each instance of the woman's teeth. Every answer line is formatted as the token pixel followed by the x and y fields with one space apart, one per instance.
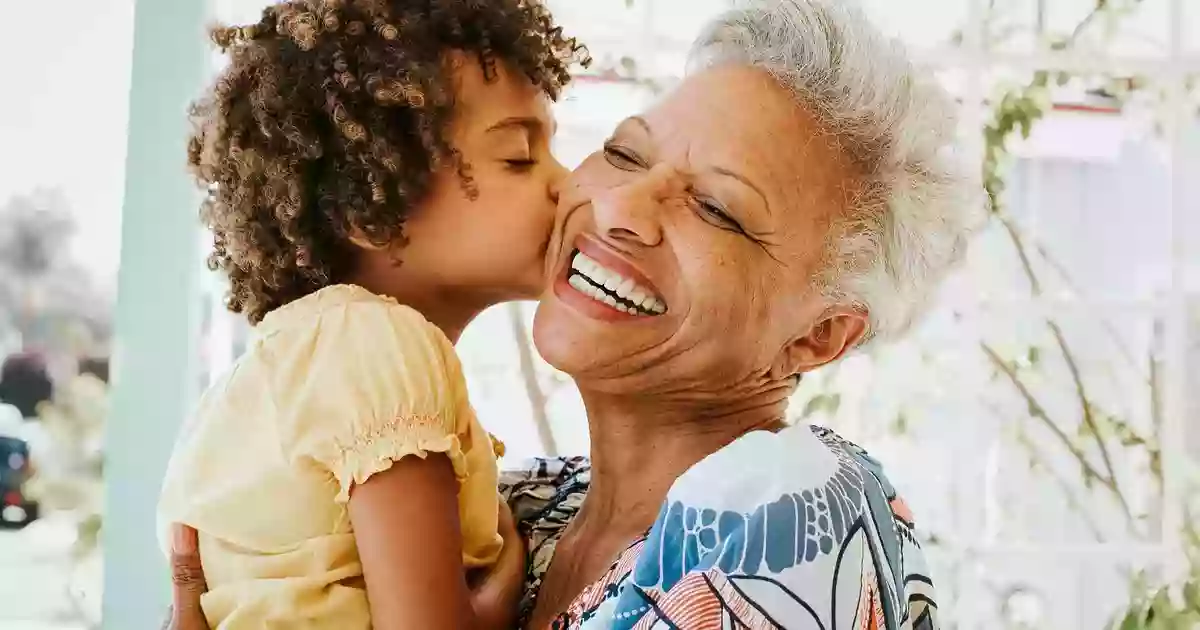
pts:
pixel 605 285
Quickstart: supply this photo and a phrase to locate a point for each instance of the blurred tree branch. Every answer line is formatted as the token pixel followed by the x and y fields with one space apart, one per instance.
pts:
pixel 1016 112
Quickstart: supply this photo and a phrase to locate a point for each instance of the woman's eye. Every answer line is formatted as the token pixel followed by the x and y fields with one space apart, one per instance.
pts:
pixel 622 158
pixel 715 215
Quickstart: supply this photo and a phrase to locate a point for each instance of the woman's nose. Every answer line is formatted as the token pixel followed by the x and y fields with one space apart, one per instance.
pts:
pixel 632 212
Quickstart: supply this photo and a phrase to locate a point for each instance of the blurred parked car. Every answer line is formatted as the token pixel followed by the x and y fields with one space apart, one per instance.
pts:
pixel 16 468
pixel 25 383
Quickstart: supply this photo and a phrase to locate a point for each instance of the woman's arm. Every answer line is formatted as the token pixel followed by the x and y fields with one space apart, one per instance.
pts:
pixel 409 540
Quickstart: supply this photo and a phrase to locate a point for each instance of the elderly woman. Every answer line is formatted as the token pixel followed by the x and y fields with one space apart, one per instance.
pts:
pixel 795 198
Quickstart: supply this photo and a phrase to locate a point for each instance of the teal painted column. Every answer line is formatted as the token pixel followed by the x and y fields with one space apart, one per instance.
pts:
pixel 157 306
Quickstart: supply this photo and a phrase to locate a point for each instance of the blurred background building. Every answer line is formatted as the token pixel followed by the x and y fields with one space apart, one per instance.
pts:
pixel 1045 423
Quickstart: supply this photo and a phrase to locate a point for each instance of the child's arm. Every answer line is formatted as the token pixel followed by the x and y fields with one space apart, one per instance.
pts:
pixel 493 598
pixel 373 394
pixel 409 539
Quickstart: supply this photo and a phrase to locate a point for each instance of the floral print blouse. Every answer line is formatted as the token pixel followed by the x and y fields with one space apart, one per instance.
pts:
pixel 796 529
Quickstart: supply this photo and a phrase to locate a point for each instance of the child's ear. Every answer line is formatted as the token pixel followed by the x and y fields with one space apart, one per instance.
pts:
pixel 360 240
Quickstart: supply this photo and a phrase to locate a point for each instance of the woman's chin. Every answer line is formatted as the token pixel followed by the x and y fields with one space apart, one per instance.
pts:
pixel 561 341
pixel 579 338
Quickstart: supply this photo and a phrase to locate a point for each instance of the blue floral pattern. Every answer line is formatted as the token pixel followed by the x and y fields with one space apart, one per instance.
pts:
pixel 796 529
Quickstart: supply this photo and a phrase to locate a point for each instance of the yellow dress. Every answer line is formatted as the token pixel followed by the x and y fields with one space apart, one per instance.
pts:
pixel 335 387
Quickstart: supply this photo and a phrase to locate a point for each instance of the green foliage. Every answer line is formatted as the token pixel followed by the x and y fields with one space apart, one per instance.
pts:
pixel 1016 111
pixel 1174 607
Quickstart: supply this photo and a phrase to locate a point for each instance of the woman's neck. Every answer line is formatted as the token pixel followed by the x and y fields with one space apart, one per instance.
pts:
pixel 639 447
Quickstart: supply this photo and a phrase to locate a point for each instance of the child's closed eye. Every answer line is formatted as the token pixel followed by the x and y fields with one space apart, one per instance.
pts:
pixel 521 164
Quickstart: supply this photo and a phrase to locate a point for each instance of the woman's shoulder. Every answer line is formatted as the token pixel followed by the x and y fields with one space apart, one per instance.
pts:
pixel 762 466
pixel 545 492
pixel 781 529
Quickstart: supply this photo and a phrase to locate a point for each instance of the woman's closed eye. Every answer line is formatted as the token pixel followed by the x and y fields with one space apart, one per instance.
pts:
pixel 713 213
pixel 623 158
pixel 708 209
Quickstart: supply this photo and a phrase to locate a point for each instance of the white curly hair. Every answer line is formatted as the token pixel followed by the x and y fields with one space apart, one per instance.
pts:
pixel 920 200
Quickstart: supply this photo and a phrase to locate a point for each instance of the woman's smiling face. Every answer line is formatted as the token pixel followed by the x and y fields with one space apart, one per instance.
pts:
pixel 685 250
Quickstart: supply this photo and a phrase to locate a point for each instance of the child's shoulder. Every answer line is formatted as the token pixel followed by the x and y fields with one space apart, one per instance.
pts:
pixel 346 309
pixel 353 324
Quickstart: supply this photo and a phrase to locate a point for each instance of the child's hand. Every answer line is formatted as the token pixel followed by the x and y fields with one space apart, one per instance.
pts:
pixel 495 596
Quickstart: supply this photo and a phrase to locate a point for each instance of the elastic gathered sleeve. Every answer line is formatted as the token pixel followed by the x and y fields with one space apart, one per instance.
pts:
pixel 368 383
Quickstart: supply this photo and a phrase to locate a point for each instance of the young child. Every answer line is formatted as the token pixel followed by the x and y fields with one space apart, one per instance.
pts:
pixel 377 172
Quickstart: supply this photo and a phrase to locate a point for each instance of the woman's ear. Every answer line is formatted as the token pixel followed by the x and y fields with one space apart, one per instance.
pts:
pixel 835 334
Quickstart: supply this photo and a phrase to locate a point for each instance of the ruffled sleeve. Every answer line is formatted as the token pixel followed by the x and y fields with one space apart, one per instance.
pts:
pixel 368 383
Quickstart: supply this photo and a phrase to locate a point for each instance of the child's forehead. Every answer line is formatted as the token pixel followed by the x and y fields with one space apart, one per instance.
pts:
pixel 485 101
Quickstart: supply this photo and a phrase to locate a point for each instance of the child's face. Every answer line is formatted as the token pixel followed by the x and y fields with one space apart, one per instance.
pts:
pixel 491 248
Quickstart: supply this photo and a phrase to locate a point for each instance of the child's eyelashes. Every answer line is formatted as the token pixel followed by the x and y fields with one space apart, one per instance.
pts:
pixel 521 165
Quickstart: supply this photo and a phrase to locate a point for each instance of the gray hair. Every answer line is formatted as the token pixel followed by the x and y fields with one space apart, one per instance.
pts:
pixel 909 223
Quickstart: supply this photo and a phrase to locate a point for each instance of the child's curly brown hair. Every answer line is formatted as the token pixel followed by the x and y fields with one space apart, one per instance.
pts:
pixel 330 120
